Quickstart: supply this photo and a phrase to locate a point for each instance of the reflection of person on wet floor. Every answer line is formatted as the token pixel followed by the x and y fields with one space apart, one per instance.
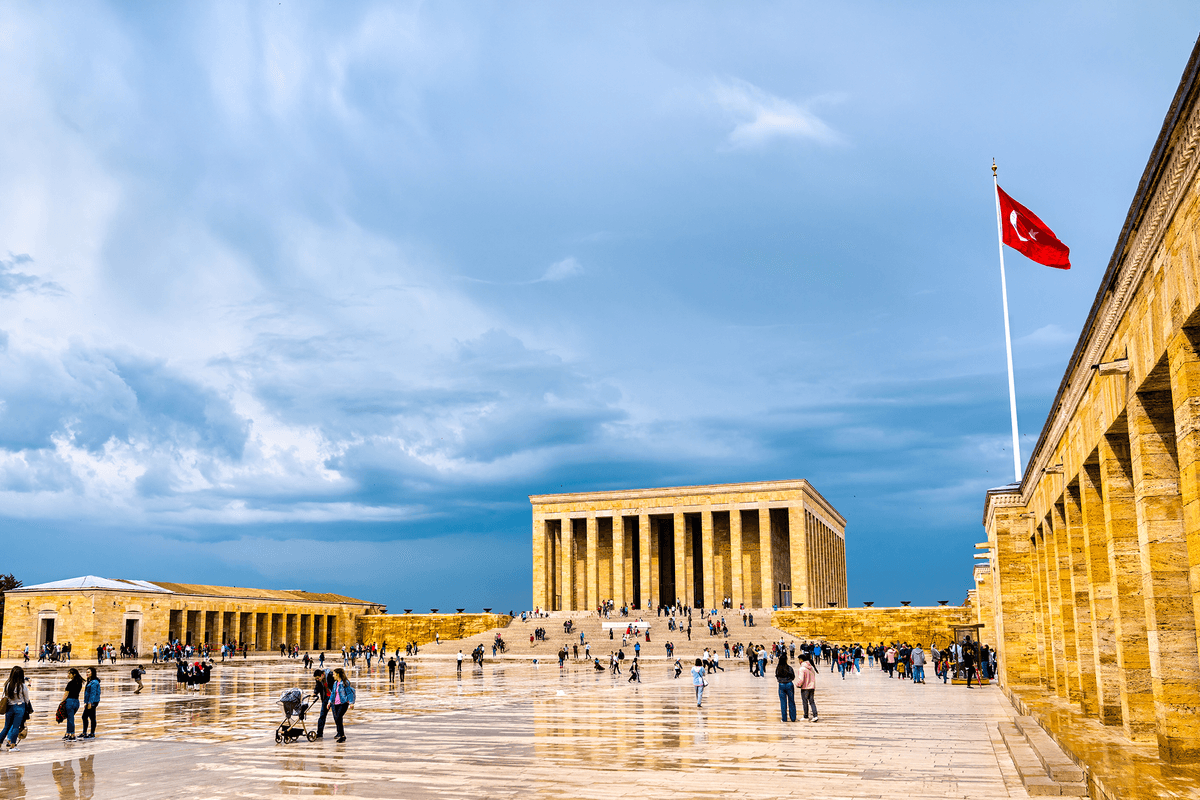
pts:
pixel 321 690
pixel 391 670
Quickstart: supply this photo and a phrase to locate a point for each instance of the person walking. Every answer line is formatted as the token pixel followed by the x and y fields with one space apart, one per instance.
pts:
pixel 917 658
pixel 786 677
pixel 341 701
pixel 392 670
pixel 17 696
pixel 699 682
pixel 70 702
pixel 634 674
pixel 136 673
pixel 402 668
pixel 808 686
pixel 560 660
pixel 91 699
pixel 321 691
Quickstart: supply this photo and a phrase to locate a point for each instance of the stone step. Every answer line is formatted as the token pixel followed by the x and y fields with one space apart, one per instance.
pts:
pixel 1031 766
pixel 1058 765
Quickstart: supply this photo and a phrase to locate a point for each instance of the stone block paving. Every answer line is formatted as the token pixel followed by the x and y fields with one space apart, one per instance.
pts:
pixel 515 729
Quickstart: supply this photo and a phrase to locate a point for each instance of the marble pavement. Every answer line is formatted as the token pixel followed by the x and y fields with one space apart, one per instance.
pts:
pixel 516 729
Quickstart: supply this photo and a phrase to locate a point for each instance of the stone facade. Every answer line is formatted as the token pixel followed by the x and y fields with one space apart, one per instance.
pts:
pixel 88 612
pixel 926 625
pixel 1094 564
pixel 398 630
pixel 762 544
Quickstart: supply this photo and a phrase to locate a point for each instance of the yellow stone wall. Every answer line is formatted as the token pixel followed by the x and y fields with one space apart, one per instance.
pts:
pixel 863 625
pixel 398 630
pixel 1096 554
pixel 87 618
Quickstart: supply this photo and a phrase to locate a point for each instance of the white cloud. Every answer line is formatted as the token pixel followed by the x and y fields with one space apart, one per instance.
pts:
pixel 761 116
pixel 561 270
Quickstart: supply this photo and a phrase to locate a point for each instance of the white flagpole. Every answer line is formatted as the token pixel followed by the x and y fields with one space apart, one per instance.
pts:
pixel 1012 387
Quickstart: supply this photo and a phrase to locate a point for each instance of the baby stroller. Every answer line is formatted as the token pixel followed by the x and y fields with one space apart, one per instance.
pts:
pixel 295 704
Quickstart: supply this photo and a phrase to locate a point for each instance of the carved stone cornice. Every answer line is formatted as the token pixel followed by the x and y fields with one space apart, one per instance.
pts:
pixel 1177 178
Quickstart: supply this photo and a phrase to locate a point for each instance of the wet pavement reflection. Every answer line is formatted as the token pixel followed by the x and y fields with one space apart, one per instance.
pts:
pixel 521 729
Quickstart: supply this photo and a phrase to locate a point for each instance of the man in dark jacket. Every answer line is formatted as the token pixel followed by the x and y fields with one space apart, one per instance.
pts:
pixel 321 688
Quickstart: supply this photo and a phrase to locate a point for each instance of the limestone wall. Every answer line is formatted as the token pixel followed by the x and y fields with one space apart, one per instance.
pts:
pixel 400 629
pixel 862 625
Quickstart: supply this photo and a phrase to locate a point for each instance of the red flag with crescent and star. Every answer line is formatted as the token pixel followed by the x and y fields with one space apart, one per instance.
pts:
pixel 1029 236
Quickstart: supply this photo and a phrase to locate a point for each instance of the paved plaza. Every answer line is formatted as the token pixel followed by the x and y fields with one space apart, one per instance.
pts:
pixel 520 730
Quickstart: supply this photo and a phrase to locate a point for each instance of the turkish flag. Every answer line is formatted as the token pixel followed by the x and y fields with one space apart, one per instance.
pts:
pixel 1029 236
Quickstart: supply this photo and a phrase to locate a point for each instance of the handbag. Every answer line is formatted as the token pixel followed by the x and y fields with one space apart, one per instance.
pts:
pixel 61 713
pixel 3 704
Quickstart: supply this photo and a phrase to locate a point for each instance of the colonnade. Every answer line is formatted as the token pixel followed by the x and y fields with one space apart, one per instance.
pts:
pixel 259 630
pixel 1096 567
pixel 765 555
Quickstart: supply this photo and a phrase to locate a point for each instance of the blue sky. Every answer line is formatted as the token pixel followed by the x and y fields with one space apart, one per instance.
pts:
pixel 313 296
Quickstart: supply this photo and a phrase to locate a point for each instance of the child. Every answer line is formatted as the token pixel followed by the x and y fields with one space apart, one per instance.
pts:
pixel 807 683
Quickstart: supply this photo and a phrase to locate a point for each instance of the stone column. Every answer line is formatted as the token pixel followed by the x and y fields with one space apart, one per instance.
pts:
pixel 682 591
pixel 566 551
pixel 644 566
pixel 1044 646
pixel 767 555
pixel 710 562
pixel 1081 602
pixel 592 569
pixel 735 556
pixel 798 544
pixel 1125 571
pixel 1099 581
pixel 1061 572
pixel 540 588
pixel 1170 624
pixel 1015 613
pixel 618 560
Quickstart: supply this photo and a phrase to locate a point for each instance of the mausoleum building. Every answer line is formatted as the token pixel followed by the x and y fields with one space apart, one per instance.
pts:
pixel 761 544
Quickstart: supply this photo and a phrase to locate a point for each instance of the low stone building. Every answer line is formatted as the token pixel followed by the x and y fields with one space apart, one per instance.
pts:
pixel 90 611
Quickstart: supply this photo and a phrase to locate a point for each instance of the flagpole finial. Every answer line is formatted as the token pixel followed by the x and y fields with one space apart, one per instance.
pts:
pixel 993 167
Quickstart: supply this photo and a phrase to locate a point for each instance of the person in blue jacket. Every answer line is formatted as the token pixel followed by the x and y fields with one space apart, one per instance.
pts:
pixel 91 699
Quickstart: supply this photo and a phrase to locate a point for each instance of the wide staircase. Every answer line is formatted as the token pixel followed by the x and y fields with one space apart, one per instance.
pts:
pixel 516 636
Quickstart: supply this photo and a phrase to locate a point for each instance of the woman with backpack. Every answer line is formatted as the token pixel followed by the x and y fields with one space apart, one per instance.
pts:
pixel 16 701
pixel 91 699
pixel 341 700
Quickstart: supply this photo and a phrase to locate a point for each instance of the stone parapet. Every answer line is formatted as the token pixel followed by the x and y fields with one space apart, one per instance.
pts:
pixel 847 625
pixel 401 629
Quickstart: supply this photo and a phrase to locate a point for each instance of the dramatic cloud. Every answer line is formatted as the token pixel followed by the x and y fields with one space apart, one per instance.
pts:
pixel 237 337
